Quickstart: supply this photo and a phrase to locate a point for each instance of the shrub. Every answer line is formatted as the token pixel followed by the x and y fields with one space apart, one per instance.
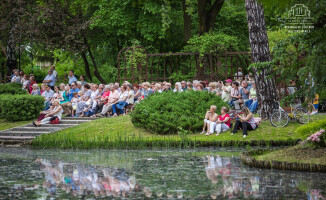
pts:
pixel 20 107
pixel 306 130
pixel 11 88
pixel 167 112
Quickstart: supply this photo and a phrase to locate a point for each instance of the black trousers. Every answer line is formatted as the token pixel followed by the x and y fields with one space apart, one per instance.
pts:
pixel 244 125
pixel 98 108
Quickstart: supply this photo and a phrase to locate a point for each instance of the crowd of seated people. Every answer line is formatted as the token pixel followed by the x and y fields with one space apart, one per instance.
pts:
pixel 78 98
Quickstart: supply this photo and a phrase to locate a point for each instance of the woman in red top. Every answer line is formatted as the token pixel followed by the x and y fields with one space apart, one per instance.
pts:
pixel 31 83
pixel 223 121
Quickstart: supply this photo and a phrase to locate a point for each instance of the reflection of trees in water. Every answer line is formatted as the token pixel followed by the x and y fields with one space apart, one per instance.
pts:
pixel 212 177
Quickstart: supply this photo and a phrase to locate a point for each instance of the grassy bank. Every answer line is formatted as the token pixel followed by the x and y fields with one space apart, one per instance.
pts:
pixel 296 154
pixel 119 132
pixel 4 124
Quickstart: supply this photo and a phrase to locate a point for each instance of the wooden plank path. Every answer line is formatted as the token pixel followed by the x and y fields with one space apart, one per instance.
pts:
pixel 28 132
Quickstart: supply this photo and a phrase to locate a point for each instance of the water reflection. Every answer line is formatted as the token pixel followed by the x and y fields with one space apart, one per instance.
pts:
pixel 232 183
pixel 81 180
pixel 145 174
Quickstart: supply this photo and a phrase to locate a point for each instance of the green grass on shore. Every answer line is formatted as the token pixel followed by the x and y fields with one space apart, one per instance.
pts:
pixel 119 132
pixel 295 154
pixel 4 124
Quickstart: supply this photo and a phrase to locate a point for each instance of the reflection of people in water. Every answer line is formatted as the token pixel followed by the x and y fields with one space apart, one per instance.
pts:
pixel 218 168
pixel 80 180
pixel 314 194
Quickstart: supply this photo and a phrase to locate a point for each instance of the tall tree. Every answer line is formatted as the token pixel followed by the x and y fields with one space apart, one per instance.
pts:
pixel 64 25
pixel 15 23
pixel 260 56
pixel 207 12
pixel 186 21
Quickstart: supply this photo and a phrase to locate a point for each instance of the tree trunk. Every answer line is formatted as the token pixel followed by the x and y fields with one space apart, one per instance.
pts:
pixel 2 63
pixel 96 72
pixel 87 71
pixel 11 51
pixel 266 90
pixel 207 14
pixel 186 22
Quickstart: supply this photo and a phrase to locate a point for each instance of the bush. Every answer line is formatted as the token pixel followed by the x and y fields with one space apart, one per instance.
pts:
pixel 20 107
pixel 166 113
pixel 306 130
pixel 11 88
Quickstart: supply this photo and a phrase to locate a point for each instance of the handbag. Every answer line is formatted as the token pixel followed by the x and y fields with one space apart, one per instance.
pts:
pixel 54 120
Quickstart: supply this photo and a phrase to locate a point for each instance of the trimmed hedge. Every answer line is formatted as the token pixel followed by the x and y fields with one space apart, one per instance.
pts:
pixel 11 88
pixel 166 113
pixel 20 107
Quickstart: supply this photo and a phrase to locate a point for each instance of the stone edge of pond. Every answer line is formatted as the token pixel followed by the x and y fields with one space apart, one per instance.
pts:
pixel 248 159
pixel 168 144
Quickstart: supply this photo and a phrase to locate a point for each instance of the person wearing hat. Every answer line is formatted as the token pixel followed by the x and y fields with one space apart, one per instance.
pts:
pixel 226 90
pixel 50 79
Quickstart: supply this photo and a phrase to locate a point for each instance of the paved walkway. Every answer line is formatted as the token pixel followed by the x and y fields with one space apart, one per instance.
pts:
pixel 28 132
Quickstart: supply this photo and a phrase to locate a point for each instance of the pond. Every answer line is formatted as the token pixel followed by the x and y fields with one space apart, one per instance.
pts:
pixel 147 174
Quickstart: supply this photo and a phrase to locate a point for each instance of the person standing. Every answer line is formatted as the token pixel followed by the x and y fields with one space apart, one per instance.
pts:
pixel 55 73
pixel 72 77
pixel 50 79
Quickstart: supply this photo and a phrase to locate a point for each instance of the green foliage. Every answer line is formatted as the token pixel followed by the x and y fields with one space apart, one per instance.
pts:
pixel 316 61
pixel 177 77
pixel 11 88
pixel 212 42
pixel 308 129
pixel 232 20
pixel 20 107
pixel 166 113
pixel 274 37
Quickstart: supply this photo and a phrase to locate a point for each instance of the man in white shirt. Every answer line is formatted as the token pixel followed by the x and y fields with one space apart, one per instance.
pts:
pixel 55 73
pixel 16 78
pixel 50 79
pixel 238 74
pixel 72 77
pixel 48 95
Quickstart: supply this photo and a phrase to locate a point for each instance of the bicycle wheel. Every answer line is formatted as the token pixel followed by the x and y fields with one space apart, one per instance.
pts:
pixel 279 119
pixel 302 115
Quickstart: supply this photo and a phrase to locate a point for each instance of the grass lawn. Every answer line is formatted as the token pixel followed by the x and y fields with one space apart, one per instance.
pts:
pixel 4 124
pixel 296 154
pixel 119 132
